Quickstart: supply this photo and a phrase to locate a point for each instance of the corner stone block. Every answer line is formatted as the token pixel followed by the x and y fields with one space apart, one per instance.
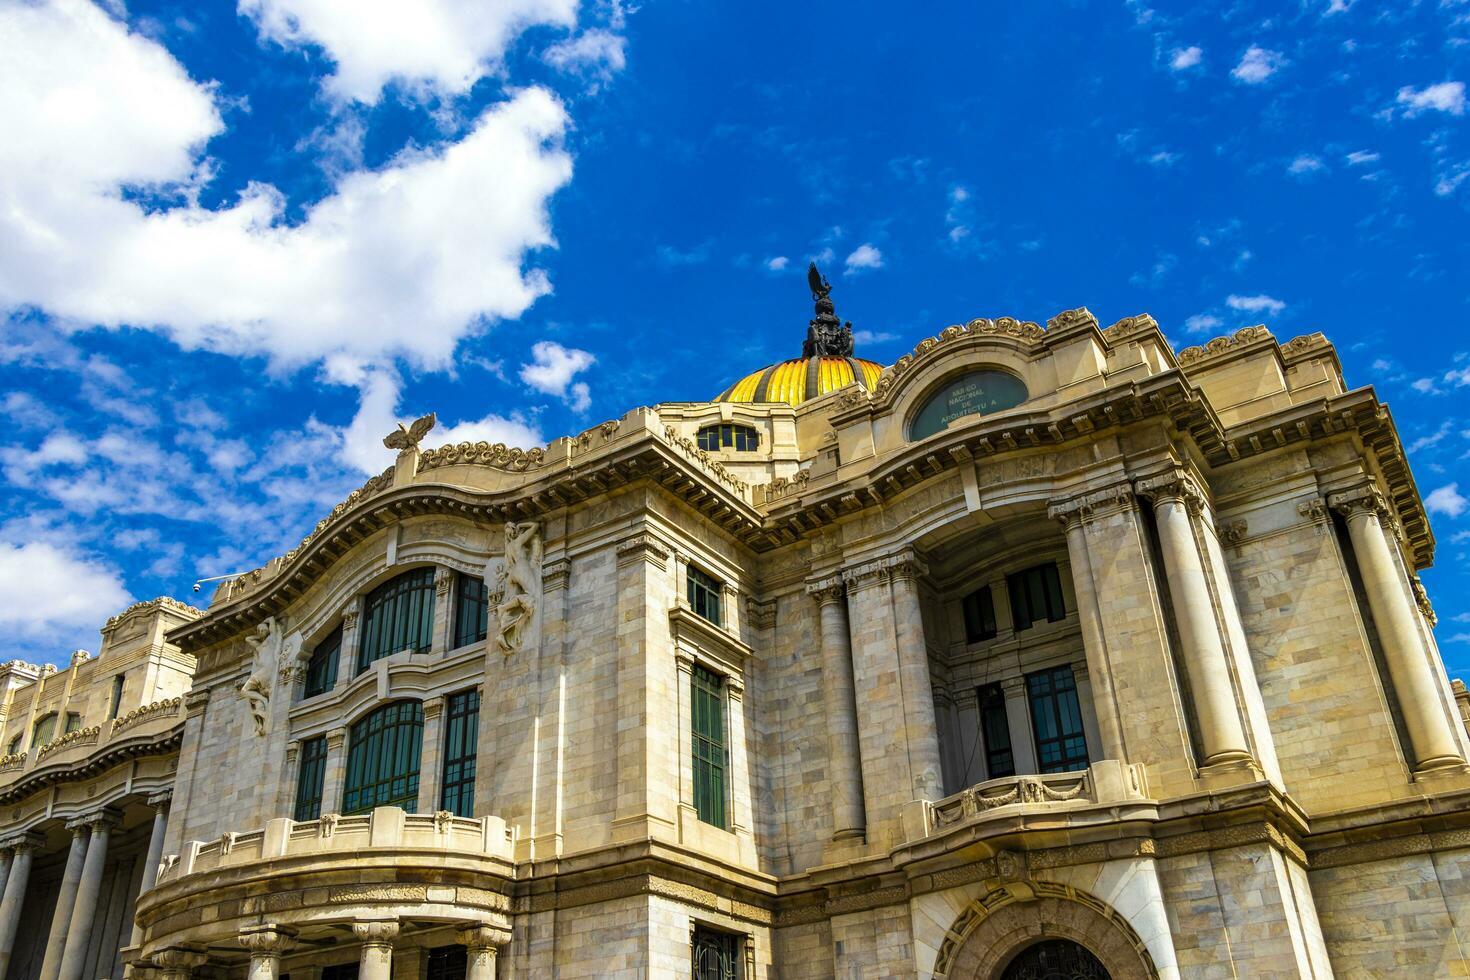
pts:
pixel 277 835
pixel 385 827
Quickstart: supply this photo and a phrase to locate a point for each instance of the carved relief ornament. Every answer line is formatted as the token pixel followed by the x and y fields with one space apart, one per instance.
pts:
pixel 518 581
pixel 1086 507
pixel 827 590
pixel 1174 485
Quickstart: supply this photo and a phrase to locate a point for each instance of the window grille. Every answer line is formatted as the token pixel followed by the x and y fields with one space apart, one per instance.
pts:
pixel 1055 958
pixel 1036 596
pixel 707 721
pixel 996 731
pixel 383 759
pixel 716 955
pixel 741 438
pixel 704 594
pixel 461 743
pixel 471 610
pixel 321 669
pixel 398 615
pixel 311 776
pixel 1056 719
pixel 979 610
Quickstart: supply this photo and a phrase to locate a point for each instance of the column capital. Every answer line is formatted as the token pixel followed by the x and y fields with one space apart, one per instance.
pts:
pixel 1173 485
pixel 161 799
pixel 1083 507
pixel 1362 499
pixel 442 578
pixel 179 959
pixel 827 590
pixel 195 700
pixel 433 707
pixel 269 938
pixel 1013 686
pixel 26 841
pixel 376 932
pixel 903 564
pixel 335 738
pixel 482 936
pixel 104 819
pixel 349 619
pixel 761 615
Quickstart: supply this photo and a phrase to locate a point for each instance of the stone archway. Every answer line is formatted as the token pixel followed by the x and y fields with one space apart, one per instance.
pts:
pixel 997 927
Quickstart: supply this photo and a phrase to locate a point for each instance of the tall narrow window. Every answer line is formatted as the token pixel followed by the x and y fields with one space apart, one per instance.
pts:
pixel 15 743
pixel 447 963
pixel 1056 719
pixel 321 669
pixel 398 615
pixel 996 732
pixel 471 610
pixel 461 739
pixel 1036 596
pixel 73 722
pixel 311 776
pixel 383 759
pixel 704 594
pixel 43 732
pixel 115 705
pixel 979 610
pixel 707 707
pixel 716 955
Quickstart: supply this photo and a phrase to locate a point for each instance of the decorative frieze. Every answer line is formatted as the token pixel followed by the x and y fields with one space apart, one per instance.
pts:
pixel 644 547
pixel 167 708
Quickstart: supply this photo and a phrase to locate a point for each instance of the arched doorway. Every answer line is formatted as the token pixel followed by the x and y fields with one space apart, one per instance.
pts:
pixel 1055 959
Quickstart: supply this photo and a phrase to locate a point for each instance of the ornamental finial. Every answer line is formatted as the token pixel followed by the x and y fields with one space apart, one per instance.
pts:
pixel 826 336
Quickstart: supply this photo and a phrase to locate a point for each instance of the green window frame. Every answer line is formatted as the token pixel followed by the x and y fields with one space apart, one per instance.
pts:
pixel 704 594
pixel 44 731
pixel 471 610
pixel 979 609
pixel 398 615
pixel 461 746
pixel 995 731
pixel 1056 720
pixel 311 778
pixel 321 668
pixel 716 954
pixel 710 756
pixel 1036 596
pixel 383 759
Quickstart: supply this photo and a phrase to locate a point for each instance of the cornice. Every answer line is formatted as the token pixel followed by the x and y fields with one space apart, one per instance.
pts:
pixel 121 750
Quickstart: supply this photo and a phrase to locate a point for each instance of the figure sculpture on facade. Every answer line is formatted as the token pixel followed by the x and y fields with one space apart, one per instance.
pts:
pixel 266 642
pixel 826 336
pixel 519 583
pixel 406 439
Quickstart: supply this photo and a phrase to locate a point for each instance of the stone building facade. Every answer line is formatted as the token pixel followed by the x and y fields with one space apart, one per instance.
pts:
pixel 1039 649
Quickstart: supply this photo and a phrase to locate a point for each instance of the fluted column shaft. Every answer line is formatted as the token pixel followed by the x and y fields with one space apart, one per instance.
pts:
pixel 160 804
pixel 844 762
pixel 1433 742
pixel 84 911
pixel 1094 639
pixel 918 689
pixel 66 898
pixel 15 891
pixel 1222 736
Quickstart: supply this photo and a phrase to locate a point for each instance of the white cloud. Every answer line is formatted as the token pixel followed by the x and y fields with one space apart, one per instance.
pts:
pixel 1425 386
pixel 1433 439
pixel 1305 164
pixel 1183 58
pixel 1449 180
pixel 596 53
pixel 777 263
pixel 48 588
pixel 1257 65
pixel 1440 97
pixel 552 369
pixel 441 46
pixel 1446 500
pixel 403 261
pixel 1202 323
pixel 865 256
pixel 1255 304
pixel 1359 157
pixel 1163 158
pixel 866 337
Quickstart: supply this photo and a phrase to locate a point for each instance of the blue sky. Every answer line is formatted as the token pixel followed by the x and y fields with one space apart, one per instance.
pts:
pixel 238 243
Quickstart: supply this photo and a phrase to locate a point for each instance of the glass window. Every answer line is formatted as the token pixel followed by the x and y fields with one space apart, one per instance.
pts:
pixel 716 955
pixel 461 742
pixel 341 971
pixel 995 730
pixel 741 438
pixel 976 393
pixel 707 708
pixel 115 705
pixel 447 963
pixel 1036 596
pixel 321 669
pixel 471 610
pixel 398 615
pixel 704 595
pixel 383 759
pixel 1056 718
pixel 43 732
pixel 73 722
pixel 310 777
pixel 979 610
pixel 14 746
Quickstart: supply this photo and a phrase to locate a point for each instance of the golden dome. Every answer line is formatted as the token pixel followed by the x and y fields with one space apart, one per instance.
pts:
pixel 802 379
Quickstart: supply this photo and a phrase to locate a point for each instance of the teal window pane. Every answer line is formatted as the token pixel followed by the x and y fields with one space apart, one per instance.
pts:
pixel 321 669
pixel 704 594
pixel 310 778
pixel 383 759
pixel 461 744
pixel 398 615
pixel 710 758
pixel 1056 720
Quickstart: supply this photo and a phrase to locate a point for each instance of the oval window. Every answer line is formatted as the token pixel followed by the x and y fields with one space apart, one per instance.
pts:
pixel 976 393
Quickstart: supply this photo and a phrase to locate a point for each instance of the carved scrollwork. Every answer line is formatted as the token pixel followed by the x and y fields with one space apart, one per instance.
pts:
pixel 496 455
pixel 1223 345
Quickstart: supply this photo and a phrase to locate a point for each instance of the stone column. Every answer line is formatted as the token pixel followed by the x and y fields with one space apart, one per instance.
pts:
pixel 178 962
pixel 334 769
pixel 431 769
pixel 1018 722
pixel 442 635
pixel 482 946
pixel 5 858
pixel 66 899
pixel 1433 742
pixel 88 889
pixel 1073 516
pixel 376 936
pixel 1222 736
pixel 844 764
pixel 922 729
pixel 21 847
pixel 266 943
pixel 160 803
pixel 351 642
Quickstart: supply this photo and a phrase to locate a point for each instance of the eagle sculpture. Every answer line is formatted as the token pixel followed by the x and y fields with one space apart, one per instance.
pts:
pixel 409 438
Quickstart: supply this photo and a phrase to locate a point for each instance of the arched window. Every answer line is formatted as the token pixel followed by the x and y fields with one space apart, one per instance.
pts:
pixel 1055 958
pixel 398 615
pixel 383 758
pixel 975 393
pixel 73 722
pixel 321 669
pixel 741 438
pixel 44 730
pixel 14 746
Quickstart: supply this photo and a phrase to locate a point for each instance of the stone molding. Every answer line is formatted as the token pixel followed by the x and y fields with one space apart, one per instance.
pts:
pixel 267 939
pixel 1174 485
pixel 480 936
pixel 28 840
pixel 880 570
pixel 1222 346
pixel 163 602
pixel 760 615
pixel 96 820
pixel 375 932
pixel 827 590
pixel 644 547
pixel 556 574
pixel 1086 507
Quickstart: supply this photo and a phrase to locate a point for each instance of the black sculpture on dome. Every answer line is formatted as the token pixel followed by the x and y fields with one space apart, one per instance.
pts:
pixel 826 336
